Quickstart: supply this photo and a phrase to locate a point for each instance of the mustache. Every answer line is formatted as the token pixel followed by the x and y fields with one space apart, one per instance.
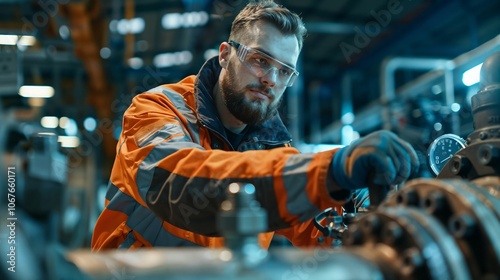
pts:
pixel 262 88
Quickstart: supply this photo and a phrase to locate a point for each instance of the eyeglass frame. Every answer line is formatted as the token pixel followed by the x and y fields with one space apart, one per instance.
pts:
pixel 242 52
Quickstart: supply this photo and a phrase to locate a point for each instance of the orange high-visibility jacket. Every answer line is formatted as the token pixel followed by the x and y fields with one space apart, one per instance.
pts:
pixel 174 162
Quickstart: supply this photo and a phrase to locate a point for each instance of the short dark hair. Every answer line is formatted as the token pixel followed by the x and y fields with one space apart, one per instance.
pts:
pixel 287 22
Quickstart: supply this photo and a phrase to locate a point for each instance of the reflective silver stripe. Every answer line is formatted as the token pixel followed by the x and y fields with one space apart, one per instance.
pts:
pixel 158 153
pixel 161 134
pixel 180 104
pixel 164 149
pixel 295 180
pixel 158 89
pixel 142 221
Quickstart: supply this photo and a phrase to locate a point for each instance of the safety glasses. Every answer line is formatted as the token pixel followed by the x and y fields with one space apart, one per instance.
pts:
pixel 261 64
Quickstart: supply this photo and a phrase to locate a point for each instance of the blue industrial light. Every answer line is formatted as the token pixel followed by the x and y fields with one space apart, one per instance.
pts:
pixel 471 76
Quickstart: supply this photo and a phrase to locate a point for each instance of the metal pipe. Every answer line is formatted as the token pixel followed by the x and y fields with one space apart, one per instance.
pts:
pixel 388 81
pixel 367 118
pixel 464 61
pixel 346 106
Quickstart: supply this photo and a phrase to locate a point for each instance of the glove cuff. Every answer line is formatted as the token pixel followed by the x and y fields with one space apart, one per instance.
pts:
pixel 337 170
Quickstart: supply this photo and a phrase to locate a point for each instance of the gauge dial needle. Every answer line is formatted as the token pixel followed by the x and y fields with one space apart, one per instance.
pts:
pixel 446 159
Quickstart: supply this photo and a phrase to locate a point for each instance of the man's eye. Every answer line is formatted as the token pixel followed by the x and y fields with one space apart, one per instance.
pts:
pixel 262 61
pixel 285 72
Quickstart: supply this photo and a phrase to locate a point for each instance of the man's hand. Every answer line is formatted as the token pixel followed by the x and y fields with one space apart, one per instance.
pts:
pixel 380 158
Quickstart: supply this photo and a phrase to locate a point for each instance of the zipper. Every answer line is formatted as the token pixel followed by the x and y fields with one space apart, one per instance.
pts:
pixel 218 134
pixel 252 140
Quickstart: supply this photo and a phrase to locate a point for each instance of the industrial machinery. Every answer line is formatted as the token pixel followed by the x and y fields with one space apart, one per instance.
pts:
pixel 449 227
pixel 442 228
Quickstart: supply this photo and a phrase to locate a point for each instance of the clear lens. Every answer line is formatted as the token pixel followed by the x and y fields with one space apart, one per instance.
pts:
pixel 261 64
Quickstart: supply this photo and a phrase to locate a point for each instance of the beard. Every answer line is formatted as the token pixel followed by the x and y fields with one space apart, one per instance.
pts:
pixel 244 109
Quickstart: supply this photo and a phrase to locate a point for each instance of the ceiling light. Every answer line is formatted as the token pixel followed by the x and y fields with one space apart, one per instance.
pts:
pixel 10 40
pixel 135 62
pixel 455 107
pixel 90 124
pixel 70 127
pixel 20 41
pixel 27 41
pixel 68 141
pixel 105 53
pixel 347 118
pixel 472 76
pixel 189 19
pixel 36 91
pixel 127 26
pixel 171 21
pixel 63 122
pixel 49 122
pixel 64 32
pixel 171 59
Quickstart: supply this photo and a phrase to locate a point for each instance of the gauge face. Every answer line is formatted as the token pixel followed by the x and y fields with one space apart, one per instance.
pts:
pixel 442 149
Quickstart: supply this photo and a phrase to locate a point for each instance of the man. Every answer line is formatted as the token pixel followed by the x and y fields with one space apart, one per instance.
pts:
pixel 182 144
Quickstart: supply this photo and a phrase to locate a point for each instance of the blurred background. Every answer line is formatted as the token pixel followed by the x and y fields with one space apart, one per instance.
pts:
pixel 71 68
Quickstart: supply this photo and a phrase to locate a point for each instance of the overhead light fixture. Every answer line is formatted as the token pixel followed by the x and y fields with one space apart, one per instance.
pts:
pixel 9 40
pixel 135 62
pixel 128 26
pixel 347 118
pixel 36 91
pixel 472 76
pixel 90 124
pixel 26 41
pixel 184 20
pixel 12 40
pixel 172 59
pixel 105 53
pixel 64 32
pixel 63 122
pixel 68 141
pixel 70 127
pixel 49 122
pixel 455 107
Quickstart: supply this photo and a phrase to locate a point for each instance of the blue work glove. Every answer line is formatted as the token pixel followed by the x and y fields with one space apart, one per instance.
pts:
pixel 381 158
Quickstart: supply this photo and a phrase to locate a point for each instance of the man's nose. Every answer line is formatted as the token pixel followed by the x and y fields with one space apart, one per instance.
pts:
pixel 270 77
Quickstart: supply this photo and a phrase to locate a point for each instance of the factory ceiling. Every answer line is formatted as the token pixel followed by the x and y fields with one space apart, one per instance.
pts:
pixel 101 53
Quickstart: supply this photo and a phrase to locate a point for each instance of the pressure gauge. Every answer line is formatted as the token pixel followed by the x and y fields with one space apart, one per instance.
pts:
pixel 442 149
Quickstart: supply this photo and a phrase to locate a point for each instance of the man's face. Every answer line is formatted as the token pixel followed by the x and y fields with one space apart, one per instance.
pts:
pixel 250 98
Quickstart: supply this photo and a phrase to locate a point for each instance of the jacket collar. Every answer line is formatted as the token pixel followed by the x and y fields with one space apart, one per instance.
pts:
pixel 270 131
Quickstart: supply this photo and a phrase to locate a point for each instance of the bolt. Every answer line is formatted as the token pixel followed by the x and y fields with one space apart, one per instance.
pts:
pixel 488 155
pixel 412 259
pixel 462 225
pixel 459 164
pixel 483 135
pixel 408 198
pixel 434 202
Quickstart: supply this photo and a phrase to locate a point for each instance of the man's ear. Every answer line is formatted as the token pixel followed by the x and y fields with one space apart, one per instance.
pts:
pixel 224 51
